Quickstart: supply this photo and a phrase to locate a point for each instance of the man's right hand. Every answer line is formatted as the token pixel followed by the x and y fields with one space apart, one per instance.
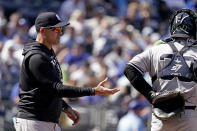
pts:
pixel 101 90
pixel 73 115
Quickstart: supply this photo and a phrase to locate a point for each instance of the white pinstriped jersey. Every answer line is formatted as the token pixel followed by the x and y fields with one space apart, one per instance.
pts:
pixel 150 61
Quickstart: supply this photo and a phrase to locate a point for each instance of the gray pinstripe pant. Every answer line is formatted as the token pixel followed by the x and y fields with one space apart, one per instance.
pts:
pixel 187 121
pixel 34 125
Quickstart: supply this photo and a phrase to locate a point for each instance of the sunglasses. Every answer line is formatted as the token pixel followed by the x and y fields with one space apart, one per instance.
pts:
pixel 56 29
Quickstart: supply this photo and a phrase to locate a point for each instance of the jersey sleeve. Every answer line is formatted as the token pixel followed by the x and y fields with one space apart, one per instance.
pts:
pixel 142 61
pixel 159 42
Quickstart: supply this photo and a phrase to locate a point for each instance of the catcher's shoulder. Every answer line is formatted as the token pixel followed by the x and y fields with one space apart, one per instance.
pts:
pixel 159 42
pixel 163 41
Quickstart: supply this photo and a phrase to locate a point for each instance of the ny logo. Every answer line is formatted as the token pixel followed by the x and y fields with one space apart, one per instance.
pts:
pixel 176 67
pixel 180 17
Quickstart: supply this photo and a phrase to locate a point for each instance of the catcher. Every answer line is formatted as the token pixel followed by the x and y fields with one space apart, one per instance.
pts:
pixel 173 68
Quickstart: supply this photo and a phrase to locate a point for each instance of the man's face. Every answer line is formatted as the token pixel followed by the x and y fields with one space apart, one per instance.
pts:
pixel 52 35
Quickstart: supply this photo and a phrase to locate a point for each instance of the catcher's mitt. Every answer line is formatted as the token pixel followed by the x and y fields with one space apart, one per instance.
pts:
pixel 167 104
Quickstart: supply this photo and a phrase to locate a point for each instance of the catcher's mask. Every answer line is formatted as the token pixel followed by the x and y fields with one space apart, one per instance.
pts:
pixel 183 23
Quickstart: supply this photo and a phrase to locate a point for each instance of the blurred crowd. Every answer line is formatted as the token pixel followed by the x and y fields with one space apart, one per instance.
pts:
pixel 102 37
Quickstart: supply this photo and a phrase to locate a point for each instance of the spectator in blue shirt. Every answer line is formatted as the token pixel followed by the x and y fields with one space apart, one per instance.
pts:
pixel 14 97
pixel 132 121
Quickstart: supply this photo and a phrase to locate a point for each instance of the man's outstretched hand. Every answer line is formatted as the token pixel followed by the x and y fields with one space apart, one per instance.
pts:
pixel 101 90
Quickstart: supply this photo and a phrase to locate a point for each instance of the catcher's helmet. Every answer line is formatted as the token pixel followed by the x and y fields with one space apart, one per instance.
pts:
pixel 183 23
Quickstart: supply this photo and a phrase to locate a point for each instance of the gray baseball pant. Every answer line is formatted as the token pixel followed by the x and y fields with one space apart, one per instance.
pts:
pixel 34 125
pixel 186 121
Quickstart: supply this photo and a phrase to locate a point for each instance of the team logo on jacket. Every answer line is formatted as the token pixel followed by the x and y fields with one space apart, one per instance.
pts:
pixel 57 67
pixel 53 62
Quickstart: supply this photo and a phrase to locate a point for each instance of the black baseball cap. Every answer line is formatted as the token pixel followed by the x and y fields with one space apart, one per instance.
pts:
pixel 48 20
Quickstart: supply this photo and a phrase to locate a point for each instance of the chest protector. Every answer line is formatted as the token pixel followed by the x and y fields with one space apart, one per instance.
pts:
pixel 177 67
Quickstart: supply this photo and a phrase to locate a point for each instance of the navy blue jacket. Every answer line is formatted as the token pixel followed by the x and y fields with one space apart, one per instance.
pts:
pixel 41 89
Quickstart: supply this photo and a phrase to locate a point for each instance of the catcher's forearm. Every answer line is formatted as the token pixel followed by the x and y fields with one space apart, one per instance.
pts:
pixel 138 82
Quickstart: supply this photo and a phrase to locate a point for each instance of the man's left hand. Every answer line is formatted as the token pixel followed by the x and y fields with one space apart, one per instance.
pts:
pixel 101 90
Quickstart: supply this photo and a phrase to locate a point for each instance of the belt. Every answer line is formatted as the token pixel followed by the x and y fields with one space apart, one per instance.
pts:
pixel 190 107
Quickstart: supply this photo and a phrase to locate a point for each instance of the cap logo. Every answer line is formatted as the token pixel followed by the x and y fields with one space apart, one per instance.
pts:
pixel 58 17
pixel 180 18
